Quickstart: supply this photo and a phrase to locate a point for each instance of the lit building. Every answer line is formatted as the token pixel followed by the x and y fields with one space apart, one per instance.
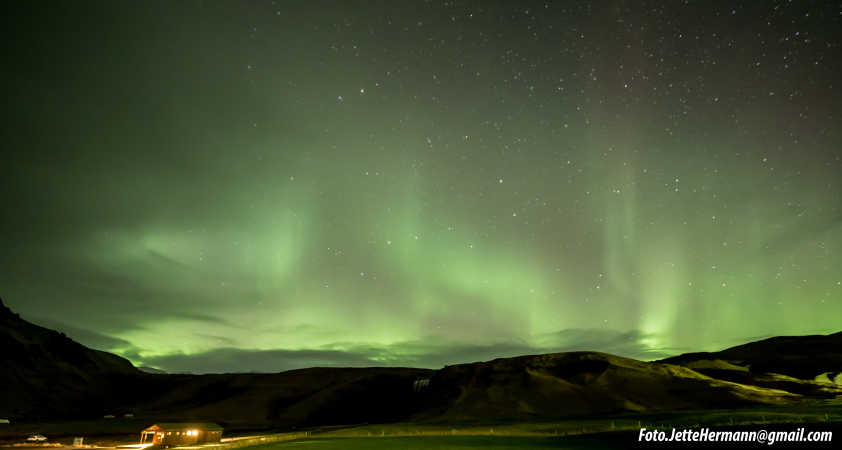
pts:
pixel 181 433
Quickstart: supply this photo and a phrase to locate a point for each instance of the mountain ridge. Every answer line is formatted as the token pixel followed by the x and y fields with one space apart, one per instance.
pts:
pixel 46 375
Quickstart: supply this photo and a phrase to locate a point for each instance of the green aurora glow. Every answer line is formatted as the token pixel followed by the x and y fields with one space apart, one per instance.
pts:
pixel 422 186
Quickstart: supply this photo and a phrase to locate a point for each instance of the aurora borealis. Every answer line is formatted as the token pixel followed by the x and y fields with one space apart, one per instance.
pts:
pixel 235 186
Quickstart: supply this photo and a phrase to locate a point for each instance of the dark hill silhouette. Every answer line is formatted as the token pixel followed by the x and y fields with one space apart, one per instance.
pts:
pixel 46 376
pixel 303 397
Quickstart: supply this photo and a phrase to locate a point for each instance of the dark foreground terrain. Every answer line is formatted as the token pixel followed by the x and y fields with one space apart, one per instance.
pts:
pixel 605 440
pixel 51 384
pixel 592 433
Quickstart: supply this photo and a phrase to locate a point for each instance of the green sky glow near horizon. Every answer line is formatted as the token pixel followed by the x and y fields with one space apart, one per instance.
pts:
pixel 195 186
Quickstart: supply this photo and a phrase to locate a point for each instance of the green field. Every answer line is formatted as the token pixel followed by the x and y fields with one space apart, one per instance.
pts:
pixel 619 431
pixel 609 431
pixel 439 442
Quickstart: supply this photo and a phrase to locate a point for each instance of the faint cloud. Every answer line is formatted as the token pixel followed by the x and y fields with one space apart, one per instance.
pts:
pixel 425 353
pixel 229 360
pixel 631 344
pixel 85 337
pixel 219 340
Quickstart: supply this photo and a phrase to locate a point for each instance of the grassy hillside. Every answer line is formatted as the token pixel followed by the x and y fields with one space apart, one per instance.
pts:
pixel 581 384
pixel 803 357
pixel 807 365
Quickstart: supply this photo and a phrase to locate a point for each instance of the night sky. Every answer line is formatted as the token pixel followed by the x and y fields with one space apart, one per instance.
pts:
pixel 259 186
